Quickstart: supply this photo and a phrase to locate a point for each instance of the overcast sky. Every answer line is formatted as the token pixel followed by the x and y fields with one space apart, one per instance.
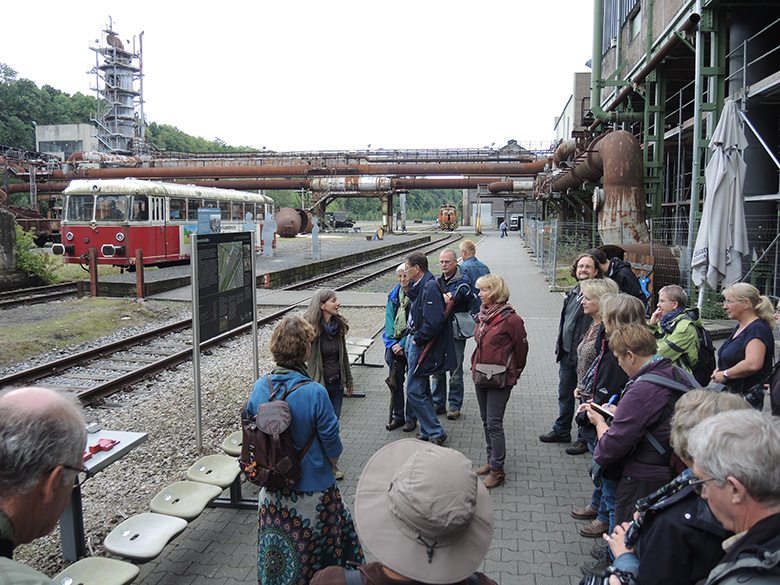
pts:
pixel 312 75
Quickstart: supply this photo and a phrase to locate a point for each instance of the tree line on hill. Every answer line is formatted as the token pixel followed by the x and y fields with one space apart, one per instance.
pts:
pixel 23 105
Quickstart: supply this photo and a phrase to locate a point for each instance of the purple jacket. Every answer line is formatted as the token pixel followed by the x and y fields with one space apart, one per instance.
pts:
pixel 642 405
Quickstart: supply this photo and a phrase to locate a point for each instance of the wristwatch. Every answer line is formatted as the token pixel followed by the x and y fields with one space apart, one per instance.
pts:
pixel 726 374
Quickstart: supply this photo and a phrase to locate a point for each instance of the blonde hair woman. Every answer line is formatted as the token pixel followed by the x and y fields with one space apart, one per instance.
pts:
pixel 745 359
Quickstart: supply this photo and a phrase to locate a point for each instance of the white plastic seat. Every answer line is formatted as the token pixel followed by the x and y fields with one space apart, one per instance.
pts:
pixel 97 571
pixel 232 444
pixel 184 499
pixel 218 470
pixel 142 537
pixel 361 341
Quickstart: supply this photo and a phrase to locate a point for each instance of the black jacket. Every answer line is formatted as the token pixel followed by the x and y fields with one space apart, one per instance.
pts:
pixel 582 322
pixel 620 271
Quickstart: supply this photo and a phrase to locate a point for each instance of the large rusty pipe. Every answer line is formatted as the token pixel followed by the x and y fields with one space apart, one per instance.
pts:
pixel 622 217
pixel 588 167
pixel 526 185
pixel 305 170
pixel 662 53
pixel 109 158
pixel 563 151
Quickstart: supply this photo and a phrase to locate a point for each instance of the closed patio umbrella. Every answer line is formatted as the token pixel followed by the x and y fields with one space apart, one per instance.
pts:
pixel 722 238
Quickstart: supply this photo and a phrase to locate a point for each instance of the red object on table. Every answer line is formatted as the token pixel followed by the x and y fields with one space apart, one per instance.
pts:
pixel 102 445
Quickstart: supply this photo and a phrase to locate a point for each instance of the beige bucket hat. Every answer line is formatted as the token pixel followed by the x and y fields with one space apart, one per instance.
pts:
pixel 422 511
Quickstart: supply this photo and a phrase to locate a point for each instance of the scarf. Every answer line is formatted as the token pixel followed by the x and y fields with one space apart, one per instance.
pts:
pixel 487 315
pixel 666 320
pixel 286 369
pixel 330 329
pixel 399 325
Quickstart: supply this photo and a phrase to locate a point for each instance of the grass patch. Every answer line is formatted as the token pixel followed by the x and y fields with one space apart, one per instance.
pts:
pixel 71 324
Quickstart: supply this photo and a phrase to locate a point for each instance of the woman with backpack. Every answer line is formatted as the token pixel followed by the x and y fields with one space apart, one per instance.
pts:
pixel 307 526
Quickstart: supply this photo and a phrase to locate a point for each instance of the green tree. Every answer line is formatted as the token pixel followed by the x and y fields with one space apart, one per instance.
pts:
pixel 32 261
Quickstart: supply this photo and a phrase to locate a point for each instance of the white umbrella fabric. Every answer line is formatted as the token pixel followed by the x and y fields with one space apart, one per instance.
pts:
pixel 722 238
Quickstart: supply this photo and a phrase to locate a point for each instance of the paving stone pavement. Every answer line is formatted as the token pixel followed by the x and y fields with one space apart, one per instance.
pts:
pixel 535 541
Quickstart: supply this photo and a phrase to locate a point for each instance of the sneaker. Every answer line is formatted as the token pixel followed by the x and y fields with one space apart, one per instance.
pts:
pixel 586 513
pixel 553 437
pixel 577 448
pixel 599 565
pixel 410 426
pixel 438 440
pixel 337 473
pixel 453 414
pixel 595 529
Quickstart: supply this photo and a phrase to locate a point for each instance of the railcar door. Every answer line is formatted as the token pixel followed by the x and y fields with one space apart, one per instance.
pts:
pixel 159 221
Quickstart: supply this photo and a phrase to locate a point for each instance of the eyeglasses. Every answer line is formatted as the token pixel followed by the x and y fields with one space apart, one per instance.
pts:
pixel 727 302
pixel 81 472
pixel 697 485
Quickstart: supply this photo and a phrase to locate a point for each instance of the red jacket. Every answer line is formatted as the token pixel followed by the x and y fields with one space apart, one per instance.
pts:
pixel 505 335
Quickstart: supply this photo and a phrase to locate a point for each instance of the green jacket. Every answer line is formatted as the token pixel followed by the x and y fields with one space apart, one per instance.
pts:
pixel 314 365
pixel 681 345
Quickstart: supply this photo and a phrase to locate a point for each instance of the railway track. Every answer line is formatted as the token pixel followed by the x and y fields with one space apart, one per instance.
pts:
pixel 39 294
pixel 99 372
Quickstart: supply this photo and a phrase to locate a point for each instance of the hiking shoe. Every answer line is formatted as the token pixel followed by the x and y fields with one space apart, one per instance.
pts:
pixel 453 414
pixel 577 448
pixel 586 513
pixel 598 548
pixel 438 440
pixel 410 426
pixel 595 529
pixel 599 565
pixel 553 437
pixel 394 424
pixel 440 410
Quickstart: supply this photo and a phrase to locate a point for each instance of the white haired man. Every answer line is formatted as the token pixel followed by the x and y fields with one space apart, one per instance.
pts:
pixel 42 440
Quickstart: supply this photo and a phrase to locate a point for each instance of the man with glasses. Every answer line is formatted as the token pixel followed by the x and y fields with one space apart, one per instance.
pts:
pixel 675 327
pixel 737 467
pixel 573 325
pixel 42 440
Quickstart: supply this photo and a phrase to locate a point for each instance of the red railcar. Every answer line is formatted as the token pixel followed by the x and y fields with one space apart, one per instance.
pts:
pixel 120 216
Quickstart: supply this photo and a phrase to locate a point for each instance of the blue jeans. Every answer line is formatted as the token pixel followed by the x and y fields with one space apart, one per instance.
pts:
pixel 439 384
pixel 336 395
pixel 608 495
pixel 492 405
pixel 567 382
pixel 418 395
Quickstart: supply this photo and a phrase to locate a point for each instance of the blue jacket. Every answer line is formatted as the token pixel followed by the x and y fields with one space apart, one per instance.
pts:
pixel 473 269
pixel 388 335
pixel 454 286
pixel 426 322
pixel 312 413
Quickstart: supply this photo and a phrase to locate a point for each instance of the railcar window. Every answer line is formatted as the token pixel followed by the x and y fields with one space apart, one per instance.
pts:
pixel 140 207
pixel 249 208
pixel 192 209
pixel 79 207
pixel 177 209
pixel 224 209
pixel 111 208
pixel 238 212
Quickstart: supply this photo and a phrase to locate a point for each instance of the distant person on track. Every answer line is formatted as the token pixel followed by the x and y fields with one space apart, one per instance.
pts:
pixel 42 442
pixel 502 227
pixel 473 269
pixel 308 526
pixel 429 346
pixel 328 363
pixel 394 338
pixel 457 289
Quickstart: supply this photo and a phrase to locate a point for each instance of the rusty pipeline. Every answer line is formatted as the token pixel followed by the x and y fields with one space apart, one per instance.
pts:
pixel 563 151
pixel 118 160
pixel 521 186
pixel 617 157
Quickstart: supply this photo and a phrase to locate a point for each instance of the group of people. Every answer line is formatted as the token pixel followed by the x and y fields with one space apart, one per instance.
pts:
pixel 628 373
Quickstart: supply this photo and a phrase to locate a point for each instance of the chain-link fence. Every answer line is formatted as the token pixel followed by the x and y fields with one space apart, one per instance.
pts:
pixel 556 244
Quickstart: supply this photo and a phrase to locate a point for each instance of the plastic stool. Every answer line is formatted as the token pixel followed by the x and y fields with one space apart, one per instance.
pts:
pixel 232 444
pixel 143 537
pixel 218 470
pixel 184 499
pixel 97 571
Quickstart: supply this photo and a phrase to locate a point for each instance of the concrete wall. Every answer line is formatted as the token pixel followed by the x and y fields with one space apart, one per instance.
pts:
pixel 7 241
pixel 64 139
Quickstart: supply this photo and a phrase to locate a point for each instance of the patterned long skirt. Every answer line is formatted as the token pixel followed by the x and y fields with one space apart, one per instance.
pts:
pixel 300 533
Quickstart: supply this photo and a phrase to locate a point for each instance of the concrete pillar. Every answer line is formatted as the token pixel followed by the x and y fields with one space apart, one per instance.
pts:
pixel 7 241
pixel 387 212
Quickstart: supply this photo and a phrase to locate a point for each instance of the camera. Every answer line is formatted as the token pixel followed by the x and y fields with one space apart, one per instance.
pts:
pixel 603 579
pixel 646 503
